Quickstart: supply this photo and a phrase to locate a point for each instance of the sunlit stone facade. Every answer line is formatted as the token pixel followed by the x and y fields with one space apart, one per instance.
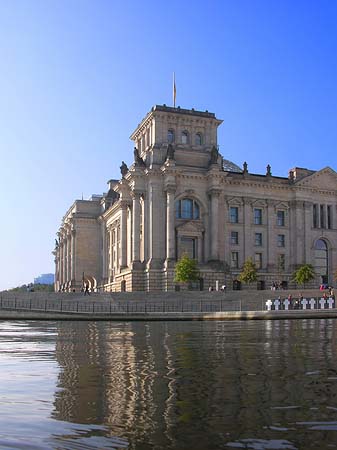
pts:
pixel 181 196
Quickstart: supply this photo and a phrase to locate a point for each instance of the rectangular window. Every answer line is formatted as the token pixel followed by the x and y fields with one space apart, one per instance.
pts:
pixel 188 247
pixel 258 239
pixel 315 216
pixel 281 240
pixel 234 260
pixel 329 217
pixel 280 218
pixel 234 237
pixel 281 262
pixel 258 216
pixel 322 217
pixel 258 260
pixel 234 214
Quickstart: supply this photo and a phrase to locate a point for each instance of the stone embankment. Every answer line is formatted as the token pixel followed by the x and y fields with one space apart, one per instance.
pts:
pixel 185 305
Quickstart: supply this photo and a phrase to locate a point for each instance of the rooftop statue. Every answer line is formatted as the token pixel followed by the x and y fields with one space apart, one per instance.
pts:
pixel 138 160
pixel 124 169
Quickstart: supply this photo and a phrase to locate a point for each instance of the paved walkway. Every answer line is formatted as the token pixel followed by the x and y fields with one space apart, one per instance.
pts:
pixel 239 305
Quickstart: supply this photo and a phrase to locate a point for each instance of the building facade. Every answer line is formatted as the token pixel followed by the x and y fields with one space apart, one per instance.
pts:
pixel 181 196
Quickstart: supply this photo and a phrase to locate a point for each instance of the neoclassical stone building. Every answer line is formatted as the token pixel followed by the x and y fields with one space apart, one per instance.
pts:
pixel 181 196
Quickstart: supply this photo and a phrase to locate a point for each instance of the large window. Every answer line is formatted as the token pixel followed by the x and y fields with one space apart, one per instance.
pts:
pixel 257 216
pixel 329 217
pixel 321 260
pixel 184 137
pixel 234 237
pixel 258 239
pixel 234 214
pixel 187 209
pixel 170 136
pixel 280 240
pixel 198 139
pixel 280 218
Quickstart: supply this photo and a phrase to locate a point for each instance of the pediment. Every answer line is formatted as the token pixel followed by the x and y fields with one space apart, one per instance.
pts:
pixel 235 201
pixel 281 205
pixel 322 179
pixel 190 227
pixel 259 203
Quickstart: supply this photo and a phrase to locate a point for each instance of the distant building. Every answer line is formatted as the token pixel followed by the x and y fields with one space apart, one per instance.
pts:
pixel 181 196
pixel 45 278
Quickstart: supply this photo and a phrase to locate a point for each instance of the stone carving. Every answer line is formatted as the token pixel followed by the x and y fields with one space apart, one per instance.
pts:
pixel 138 160
pixel 245 167
pixel 268 171
pixel 124 169
pixel 214 155
pixel 56 243
pixel 312 303
pixel 170 152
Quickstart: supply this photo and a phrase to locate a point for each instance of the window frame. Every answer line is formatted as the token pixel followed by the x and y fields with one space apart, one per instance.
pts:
pixel 170 132
pixel 258 218
pixel 258 239
pixel 236 215
pixel 180 211
pixel 234 237
pixel 198 138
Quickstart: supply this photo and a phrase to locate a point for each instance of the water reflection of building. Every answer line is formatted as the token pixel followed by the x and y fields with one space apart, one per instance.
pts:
pixel 164 383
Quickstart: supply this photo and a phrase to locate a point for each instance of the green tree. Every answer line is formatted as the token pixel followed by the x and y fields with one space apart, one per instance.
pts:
pixel 186 270
pixel 249 272
pixel 303 274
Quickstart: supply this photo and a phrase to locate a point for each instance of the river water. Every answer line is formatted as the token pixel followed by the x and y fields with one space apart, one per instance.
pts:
pixel 168 385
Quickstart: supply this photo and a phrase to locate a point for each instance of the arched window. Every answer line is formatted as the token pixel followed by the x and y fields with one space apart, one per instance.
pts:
pixel 187 209
pixel 184 137
pixel 198 139
pixel 321 260
pixel 170 136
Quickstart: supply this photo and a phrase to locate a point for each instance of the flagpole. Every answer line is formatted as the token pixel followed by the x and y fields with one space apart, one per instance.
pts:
pixel 174 90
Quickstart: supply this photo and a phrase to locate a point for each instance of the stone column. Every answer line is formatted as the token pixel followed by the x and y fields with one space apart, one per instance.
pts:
pixel 110 253
pixel 65 259
pixel 73 257
pixel 307 231
pixel 60 262
pixel 170 222
pixel 124 218
pixel 247 230
pixel 214 193
pixel 69 256
pixel 103 253
pixel 271 242
pixel 136 227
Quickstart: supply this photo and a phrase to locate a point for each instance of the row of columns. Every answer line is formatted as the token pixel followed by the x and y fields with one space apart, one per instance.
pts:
pixel 66 257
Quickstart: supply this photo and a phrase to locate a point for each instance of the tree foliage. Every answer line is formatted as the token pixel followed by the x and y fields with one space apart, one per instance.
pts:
pixel 186 270
pixel 249 272
pixel 304 274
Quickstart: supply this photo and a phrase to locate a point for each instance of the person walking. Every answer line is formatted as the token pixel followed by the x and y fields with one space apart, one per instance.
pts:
pixel 86 290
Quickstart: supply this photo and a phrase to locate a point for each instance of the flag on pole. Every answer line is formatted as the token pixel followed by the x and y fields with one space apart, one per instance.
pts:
pixel 174 90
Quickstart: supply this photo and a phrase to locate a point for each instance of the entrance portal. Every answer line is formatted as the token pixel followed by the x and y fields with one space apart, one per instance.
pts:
pixel 321 259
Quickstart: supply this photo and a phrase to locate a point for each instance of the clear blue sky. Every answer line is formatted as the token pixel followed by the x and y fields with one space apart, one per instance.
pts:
pixel 78 76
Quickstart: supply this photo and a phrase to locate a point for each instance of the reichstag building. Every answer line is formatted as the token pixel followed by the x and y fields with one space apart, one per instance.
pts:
pixel 181 196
